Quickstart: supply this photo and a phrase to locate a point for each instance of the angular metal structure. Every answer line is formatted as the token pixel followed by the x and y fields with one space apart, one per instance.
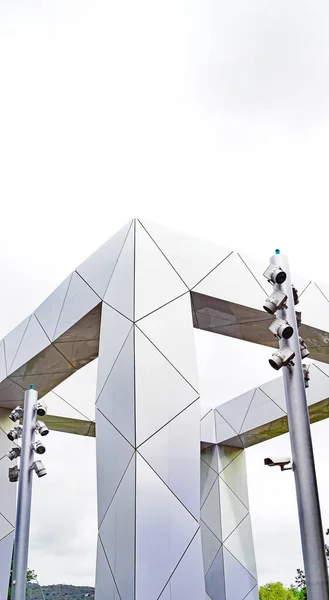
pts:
pixel 134 304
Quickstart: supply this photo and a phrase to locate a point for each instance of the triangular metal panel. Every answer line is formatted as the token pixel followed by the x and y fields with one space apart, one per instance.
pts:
pixel 315 307
pixel 3 370
pixel 161 392
pixel 232 510
pixel 235 442
pixel 7 496
pixel 98 268
pixel 210 456
pixel 262 410
pixel 6 546
pixel 117 534
pixel 156 282
pixel 120 291
pixel 235 410
pixel 117 398
pixel 240 544
pixel 166 594
pixel 105 586
pixel 79 390
pixel 187 580
pixel 215 582
pixel 208 432
pixel 210 546
pixel 234 476
pixel 192 258
pixel 238 581
pixel 79 300
pixel 226 455
pixel 49 311
pixel 232 281
pixel 171 331
pixel 5 527
pixel 33 342
pixel 114 331
pixel 164 530
pixel 177 462
pixel 113 457
pixel 208 477
pixel 275 390
pixel 324 367
pixel 13 340
pixel 59 407
pixel 211 511
pixel 224 431
pixel 253 595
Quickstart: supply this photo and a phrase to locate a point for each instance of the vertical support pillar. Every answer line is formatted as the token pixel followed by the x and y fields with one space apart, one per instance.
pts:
pixel 7 504
pixel 315 563
pixel 227 542
pixel 24 496
pixel 147 433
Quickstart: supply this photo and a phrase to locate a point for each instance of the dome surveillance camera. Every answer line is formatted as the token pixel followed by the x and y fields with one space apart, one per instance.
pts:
pixel 41 428
pixel 281 329
pixel 16 414
pixel 281 358
pixel 274 275
pixel 39 468
pixel 275 302
pixel 13 474
pixel 41 408
pixel 15 433
pixel 303 348
pixel 39 447
pixel 14 453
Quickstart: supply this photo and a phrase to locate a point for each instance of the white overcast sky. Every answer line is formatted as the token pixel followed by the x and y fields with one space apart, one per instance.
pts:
pixel 204 115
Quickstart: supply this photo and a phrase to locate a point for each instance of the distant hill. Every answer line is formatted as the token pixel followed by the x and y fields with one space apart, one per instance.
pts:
pixel 58 592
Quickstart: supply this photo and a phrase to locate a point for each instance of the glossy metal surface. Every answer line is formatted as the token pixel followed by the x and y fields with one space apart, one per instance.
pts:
pixel 133 303
pixel 228 555
pixel 7 504
pixel 315 563
pixel 24 497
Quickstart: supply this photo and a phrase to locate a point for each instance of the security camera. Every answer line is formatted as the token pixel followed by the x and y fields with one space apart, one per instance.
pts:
pixel 39 468
pixel 41 408
pixel 14 453
pixel 274 275
pixel 303 348
pixel 307 376
pixel 275 302
pixel 281 329
pixel 295 295
pixel 15 433
pixel 16 414
pixel 281 358
pixel 298 318
pixel 13 474
pixel 281 462
pixel 39 447
pixel 41 428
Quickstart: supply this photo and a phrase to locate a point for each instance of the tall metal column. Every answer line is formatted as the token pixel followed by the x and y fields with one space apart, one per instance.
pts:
pixel 24 496
pixel 315 564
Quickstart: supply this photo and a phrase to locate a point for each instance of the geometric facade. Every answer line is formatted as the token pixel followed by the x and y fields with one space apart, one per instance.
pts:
pixel 134 304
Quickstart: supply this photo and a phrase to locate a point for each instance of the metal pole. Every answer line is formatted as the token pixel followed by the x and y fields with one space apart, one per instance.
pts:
pixel 23 513
pixel 310 522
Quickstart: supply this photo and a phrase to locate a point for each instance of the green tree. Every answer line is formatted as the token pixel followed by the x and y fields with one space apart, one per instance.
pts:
pixel 30 576
pixel 300 582
pixel 275 591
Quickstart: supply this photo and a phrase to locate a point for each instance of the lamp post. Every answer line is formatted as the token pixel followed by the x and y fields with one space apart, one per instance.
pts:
pixel 24 475
pixel 296 378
